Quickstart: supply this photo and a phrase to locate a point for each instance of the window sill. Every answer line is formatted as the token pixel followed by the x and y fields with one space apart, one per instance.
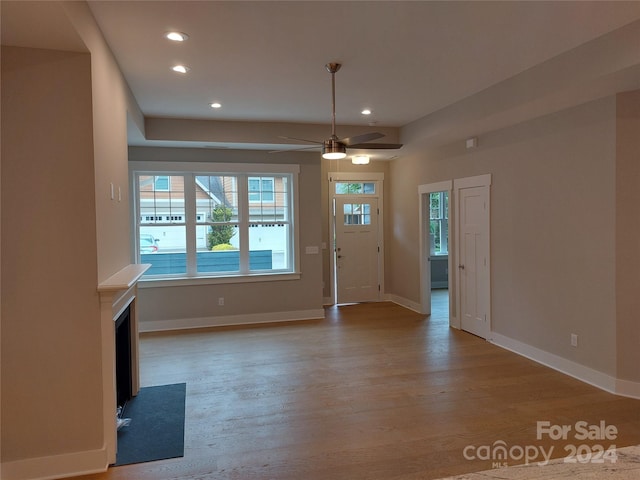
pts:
pixel 187 281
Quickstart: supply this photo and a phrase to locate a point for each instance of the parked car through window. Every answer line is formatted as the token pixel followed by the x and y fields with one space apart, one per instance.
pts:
pixel 148 244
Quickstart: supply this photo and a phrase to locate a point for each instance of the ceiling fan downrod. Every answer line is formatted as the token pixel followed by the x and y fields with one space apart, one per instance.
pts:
pixel 332 68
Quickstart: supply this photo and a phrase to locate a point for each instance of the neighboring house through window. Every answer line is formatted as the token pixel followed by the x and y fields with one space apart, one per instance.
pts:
pixel 261 189
pixel 161 183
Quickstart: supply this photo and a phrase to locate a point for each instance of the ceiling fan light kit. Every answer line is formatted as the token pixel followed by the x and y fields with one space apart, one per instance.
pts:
pixel 333 150
pixel 360 160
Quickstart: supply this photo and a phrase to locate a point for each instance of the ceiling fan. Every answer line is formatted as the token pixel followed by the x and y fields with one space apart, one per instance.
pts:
pixel 335 148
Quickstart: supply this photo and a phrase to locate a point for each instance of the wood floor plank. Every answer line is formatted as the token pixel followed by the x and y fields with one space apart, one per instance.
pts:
pixel 372 391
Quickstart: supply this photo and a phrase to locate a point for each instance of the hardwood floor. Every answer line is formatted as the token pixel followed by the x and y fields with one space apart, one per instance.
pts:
pixel 374 391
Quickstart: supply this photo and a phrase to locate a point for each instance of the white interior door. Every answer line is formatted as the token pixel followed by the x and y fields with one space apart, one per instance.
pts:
pixel 473 259
pixel 357 252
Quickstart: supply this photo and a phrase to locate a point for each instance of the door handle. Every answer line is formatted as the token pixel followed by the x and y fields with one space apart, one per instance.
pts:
pixel 461 267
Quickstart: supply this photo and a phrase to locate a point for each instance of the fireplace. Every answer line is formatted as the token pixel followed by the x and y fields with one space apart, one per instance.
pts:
pixel 119 333
pixel 124 388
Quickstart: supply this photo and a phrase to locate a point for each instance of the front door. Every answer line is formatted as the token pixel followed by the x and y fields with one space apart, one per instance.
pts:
pixel 356 249
pixel 473 261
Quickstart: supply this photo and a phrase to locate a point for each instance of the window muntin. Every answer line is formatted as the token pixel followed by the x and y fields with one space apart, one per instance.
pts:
pixel 161 206
pixel 261 189
pixel 221 230
pixel 439 222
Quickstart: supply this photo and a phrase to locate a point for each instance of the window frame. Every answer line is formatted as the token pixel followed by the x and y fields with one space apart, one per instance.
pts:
pixel 244 171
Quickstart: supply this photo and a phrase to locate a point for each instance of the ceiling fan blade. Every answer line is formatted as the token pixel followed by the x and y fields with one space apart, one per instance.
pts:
pixel 376 146
pixel 294 149
pixel 365 137
pixel 300 139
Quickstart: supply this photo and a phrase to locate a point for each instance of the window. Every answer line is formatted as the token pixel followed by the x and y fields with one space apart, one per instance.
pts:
pixel 211 224
pixel 161 183
pixel 358 188
pixel 357 214
pixel 438 222
pixel 261 189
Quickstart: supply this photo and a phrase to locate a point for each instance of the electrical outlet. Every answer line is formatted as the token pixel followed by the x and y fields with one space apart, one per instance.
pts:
pixel 574 340
pixel 221 301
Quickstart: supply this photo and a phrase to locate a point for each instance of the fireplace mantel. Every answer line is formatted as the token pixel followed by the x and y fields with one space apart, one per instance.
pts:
pixel 116 294
pixel 123 279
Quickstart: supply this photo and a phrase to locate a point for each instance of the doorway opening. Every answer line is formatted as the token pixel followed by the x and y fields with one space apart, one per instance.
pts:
pixel 439 253
pixel 462 217
pixel 435 247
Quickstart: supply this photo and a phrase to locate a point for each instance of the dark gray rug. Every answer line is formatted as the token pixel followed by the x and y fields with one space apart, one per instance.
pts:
pixel 156 431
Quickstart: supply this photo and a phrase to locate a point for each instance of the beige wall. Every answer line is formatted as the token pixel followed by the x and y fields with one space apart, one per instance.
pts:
pixel 51 383
pixel 63 142
pixel 195 302
pixel 627 219
pixel 552 228
pixel 112 101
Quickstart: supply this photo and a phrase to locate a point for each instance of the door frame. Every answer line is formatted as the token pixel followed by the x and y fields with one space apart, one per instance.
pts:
pixel 453 187
pixel 424 249
pixel 378 178
pixel 460 184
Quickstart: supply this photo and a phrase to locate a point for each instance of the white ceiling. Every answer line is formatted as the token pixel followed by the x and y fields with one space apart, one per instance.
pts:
pixel 264 61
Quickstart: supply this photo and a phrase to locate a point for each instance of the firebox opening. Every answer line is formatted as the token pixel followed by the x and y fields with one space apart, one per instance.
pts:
pixel 123 358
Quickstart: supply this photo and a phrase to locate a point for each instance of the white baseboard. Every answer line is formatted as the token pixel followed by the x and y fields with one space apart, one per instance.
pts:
pixel 228 320
pixel 404 302
pixel 627 388
pixel 56 466
pixel 573 369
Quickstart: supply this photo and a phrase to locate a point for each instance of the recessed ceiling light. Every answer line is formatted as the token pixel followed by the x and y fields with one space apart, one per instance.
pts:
pixel 366 111
pixel 180 68
pixel 215 105
pixel 176 36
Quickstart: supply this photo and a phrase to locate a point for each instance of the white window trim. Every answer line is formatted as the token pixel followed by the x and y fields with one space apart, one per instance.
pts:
pixel 248 169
